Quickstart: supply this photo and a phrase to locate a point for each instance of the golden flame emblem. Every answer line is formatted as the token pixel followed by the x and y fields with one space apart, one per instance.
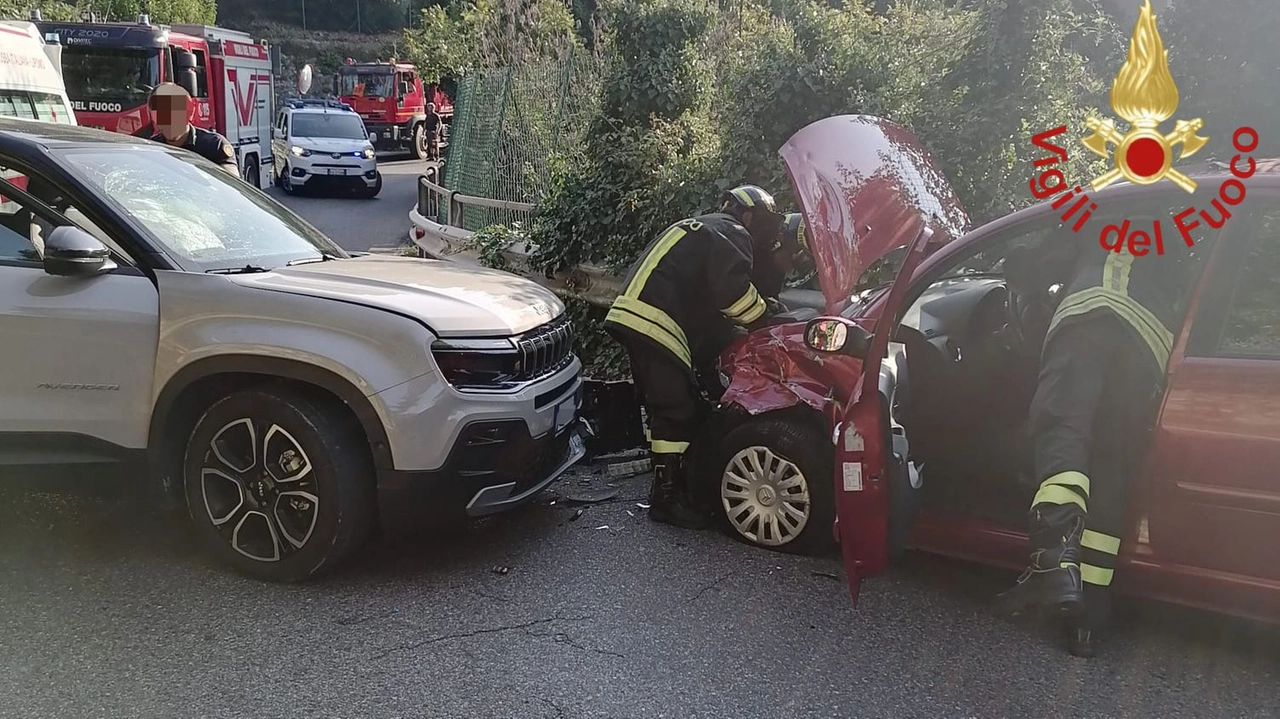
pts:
pixel 1145 95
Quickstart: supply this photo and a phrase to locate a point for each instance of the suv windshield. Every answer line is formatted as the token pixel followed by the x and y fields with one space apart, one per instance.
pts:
pixel 201 214
pixel 124 75
pixel 365 84
pixel 344 126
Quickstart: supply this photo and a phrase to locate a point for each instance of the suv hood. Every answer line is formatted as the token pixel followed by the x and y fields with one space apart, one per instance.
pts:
pixel 452 300
pixel 864 184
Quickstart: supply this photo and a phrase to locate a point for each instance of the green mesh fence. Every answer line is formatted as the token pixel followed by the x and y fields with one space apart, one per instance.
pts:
pixel 507 123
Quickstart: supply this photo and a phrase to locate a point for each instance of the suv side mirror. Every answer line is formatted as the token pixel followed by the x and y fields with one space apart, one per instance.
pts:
pixel 71 252
pixel 837 335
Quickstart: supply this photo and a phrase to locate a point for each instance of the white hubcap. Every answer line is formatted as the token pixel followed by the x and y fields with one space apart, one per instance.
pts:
pixel 765 497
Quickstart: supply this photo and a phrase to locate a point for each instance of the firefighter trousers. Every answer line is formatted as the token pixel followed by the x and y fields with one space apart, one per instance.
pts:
pixel 669 394
pixel 1091 417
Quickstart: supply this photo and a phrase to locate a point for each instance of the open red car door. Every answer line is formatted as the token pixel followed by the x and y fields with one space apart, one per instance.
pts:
pixel 867 188
pixel 863 444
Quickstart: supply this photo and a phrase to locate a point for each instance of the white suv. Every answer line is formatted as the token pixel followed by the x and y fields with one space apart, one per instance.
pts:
pixel 323 142
pixel 162 317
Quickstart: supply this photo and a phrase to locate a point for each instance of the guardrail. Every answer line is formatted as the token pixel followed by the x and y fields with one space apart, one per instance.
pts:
pixel 449 241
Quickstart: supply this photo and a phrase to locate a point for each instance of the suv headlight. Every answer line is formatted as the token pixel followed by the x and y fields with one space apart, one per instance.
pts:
pixel 299 151
pixel 478 363
pixel 368 153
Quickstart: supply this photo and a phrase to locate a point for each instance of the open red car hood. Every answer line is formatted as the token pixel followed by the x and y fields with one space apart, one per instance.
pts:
pixel 863 183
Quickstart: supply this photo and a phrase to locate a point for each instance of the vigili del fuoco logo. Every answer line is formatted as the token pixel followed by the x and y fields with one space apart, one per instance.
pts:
pixel 1144 95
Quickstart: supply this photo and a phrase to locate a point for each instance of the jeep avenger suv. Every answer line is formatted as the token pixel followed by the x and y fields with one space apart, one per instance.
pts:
pixel 164 317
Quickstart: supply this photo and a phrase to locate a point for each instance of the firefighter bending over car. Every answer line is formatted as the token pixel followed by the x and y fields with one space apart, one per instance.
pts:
pixel 680 303
pixel 1101 378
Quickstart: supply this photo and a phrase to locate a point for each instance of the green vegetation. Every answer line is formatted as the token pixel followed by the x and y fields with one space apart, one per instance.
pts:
pixel 162 11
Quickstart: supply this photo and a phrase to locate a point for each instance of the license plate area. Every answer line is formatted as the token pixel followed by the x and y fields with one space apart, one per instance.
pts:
pixel 337 171
pixel 564 414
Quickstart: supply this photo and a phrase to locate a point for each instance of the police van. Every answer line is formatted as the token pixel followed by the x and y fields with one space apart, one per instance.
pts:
pixel 323 143
pixel 31 76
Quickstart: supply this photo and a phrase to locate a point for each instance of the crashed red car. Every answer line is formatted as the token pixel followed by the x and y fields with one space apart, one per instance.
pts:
pixel 924 444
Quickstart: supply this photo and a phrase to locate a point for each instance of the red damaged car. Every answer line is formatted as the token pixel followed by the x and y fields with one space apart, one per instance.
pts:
pixel 939 457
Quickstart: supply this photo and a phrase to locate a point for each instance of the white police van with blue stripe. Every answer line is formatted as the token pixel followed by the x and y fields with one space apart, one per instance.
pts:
pixel 319 143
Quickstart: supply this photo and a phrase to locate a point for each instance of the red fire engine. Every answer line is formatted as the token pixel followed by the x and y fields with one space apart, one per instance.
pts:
pixel 110 69
pixel 391 99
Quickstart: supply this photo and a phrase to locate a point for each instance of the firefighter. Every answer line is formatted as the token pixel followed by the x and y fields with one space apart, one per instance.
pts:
pixel 170 105
pixel 790 253
pixel 433 124
pixel 1101 378
pixel 680 299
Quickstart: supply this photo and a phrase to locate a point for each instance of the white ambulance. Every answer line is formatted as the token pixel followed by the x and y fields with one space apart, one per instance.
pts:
pixel 31 76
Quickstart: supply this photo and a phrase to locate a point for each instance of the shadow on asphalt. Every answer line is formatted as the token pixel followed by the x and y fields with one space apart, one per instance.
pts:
pixel 40 530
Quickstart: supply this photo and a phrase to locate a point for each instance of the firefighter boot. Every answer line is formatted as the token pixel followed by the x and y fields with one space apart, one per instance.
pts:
pixel 668 500
pixel 1052 582
pixel 1085 631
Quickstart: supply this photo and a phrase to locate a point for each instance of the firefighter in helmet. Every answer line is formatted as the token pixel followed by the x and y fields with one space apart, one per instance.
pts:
pixel 680 301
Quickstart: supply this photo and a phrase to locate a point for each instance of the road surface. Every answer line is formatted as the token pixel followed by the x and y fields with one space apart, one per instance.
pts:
pixel 361 224
pixel 108 610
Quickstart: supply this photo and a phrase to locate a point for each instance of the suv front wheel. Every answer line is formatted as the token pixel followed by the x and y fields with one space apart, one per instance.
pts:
pixel 279 484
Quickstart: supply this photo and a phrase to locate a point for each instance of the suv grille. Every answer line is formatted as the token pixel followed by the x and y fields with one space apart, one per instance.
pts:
pixel 546 349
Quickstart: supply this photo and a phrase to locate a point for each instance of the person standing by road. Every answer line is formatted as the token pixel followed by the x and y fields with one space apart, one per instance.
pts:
pixel 433 132
pixel 689 286
pixel 1101 378
pixel 170 106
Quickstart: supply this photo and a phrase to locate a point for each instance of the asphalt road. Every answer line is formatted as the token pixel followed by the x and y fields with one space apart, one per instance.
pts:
pixel 361 224
pixel 107 610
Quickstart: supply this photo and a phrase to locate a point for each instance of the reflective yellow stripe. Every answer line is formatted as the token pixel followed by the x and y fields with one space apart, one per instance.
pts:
pixel 741 194
pixel 744 303
pixel 1069 479
pixel 1096 575
pixel 656 316
pixel 652 331
pixel 648 436
pixel 662 446
pixel 756 312
pixel 1115 272
pixel 1153 332
pixel 660 250
pixel 1100 542
pixel 1057 494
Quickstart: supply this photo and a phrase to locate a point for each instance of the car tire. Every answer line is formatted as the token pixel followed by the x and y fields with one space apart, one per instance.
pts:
pixel 420 149
pixel 286 184
pixel 279 483
pixel 774 486
pixel 372 192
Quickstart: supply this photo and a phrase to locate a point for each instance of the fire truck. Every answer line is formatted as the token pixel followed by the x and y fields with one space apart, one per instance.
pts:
pixel 110 69
pixel 392 100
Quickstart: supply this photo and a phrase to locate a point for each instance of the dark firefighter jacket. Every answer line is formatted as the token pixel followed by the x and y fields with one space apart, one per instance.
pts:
pixel 209 145
pixel 1147 293
pixel 689 282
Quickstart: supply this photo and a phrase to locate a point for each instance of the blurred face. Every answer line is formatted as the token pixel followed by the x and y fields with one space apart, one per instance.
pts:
pixel 170 115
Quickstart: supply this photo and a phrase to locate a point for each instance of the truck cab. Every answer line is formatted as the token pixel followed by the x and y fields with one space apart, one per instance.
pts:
pixel 110 69
pixel 392 100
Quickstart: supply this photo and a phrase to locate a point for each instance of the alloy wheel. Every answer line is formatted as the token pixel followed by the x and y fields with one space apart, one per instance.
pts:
pixel 765 496
pixel 259 490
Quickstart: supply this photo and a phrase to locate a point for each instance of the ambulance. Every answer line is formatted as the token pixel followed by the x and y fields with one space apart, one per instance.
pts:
pixel 31 84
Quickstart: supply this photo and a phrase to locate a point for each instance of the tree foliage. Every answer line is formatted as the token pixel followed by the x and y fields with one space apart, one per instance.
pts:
pixel 450 39
pixel 161 11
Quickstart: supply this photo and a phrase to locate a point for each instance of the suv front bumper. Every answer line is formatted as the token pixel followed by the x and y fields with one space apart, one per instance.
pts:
pixel 494 465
